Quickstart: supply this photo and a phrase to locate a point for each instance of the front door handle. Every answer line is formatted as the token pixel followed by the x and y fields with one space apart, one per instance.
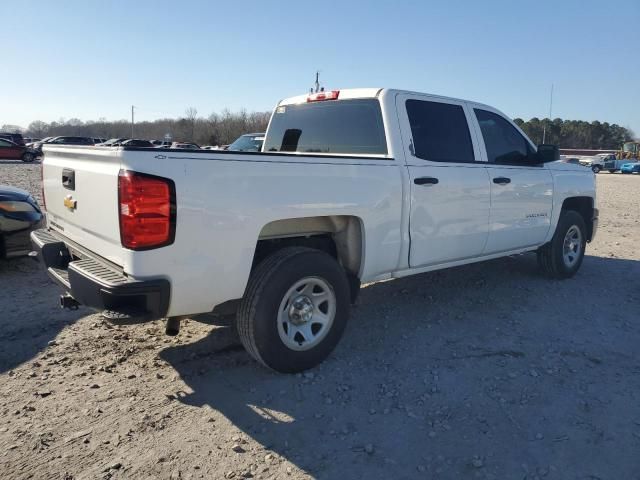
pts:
pixel 501 180
pixel 425 181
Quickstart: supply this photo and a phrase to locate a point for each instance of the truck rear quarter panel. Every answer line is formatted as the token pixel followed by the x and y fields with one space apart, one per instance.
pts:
pixel 224 200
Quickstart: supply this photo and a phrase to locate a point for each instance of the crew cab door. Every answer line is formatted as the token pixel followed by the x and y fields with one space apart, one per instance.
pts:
pixel 521 191
pixel 450 196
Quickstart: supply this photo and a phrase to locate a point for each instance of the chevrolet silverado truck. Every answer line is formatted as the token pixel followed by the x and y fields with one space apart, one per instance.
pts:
pixel 351 186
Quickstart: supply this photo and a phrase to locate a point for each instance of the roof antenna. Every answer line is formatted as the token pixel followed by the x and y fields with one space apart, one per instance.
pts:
pixel 317 81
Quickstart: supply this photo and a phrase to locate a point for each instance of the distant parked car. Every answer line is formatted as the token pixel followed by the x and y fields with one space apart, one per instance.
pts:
pixel 210 147
pixel 64 140
pixel 19 214
pixel 161 143
pixel 96 141
pixel 112 142
pixel 185 146
pixel 135 142
pixel 614 164
pixel 37 146
pixel 250 142
pixel 631 167
pixel 12 151
pixel 39 140
pixel 14 137
pixel 596 162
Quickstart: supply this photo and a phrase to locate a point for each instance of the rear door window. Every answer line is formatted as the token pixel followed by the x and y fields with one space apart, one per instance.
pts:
pixel 333 126
pixel 440 131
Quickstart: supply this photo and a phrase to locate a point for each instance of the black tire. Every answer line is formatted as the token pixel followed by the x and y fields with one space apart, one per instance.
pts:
pixel 257 319
pixel 551 256
pixel 596 169
pixel 28 157
pixel 612 171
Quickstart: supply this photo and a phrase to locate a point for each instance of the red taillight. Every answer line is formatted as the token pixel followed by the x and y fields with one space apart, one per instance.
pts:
pixel 147 210
pixel 320 96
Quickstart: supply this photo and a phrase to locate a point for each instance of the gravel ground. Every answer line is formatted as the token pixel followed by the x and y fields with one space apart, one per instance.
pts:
pixel 485 371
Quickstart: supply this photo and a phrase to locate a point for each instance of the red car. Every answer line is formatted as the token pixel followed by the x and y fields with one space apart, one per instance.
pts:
pixel 13 151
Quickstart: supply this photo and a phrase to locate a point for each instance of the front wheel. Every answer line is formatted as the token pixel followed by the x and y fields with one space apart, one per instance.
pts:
pixel 28 157
pixel 563 255
pixel 596 169
pixel 294 310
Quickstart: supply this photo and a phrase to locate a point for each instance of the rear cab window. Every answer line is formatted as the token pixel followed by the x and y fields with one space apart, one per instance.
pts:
pixel 339 127
pixel 440 131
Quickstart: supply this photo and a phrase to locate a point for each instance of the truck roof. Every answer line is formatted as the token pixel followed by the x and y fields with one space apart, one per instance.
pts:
pixel 350 93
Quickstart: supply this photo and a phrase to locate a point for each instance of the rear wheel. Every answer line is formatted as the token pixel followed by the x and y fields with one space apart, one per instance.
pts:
pixel 596 168
pixel 28 157
pixel 612 171
pixel 294 310
pixel 563 255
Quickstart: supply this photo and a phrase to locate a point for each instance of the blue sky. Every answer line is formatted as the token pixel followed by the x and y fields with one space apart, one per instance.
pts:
pixel 90 59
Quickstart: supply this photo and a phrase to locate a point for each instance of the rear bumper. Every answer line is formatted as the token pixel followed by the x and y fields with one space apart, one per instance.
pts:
pixel 94 283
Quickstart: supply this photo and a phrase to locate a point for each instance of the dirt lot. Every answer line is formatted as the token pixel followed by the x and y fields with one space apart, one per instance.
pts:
pixel 486 371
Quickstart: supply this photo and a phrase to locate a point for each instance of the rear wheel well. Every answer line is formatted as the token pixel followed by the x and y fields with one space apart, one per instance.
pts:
pixel 266 247
pixel 339 236
pixel 584 206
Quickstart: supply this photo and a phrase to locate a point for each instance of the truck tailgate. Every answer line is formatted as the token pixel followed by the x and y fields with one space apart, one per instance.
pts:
pixel 81 193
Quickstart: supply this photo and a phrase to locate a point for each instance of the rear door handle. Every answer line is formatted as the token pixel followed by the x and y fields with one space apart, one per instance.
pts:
pixel 501 180
pixel 425 181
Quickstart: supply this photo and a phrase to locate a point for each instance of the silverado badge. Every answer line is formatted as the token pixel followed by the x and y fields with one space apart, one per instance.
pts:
pixel 70 203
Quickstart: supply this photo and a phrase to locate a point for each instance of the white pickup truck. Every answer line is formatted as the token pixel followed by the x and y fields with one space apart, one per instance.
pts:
pixel 351 186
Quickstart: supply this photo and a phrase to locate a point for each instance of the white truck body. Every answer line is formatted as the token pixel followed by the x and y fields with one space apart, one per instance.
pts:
pixel 384 221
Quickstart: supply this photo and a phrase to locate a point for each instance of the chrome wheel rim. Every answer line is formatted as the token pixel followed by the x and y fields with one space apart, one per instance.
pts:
pixel 572 246
pixel 306 313
pixel 28 157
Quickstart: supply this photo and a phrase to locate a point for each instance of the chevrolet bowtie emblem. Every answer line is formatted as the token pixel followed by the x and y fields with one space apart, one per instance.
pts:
pixel 70 203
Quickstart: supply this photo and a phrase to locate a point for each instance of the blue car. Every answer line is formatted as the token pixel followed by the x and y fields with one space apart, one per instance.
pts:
pixel 630 167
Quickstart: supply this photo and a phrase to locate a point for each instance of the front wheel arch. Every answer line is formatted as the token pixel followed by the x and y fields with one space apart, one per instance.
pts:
pixel 562 257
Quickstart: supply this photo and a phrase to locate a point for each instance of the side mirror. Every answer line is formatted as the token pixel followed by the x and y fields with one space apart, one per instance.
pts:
pixel 547 153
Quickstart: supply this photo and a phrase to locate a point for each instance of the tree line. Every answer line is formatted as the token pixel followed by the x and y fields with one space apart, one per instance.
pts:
pixel 216 129
pixel 576 133
pixel 223 128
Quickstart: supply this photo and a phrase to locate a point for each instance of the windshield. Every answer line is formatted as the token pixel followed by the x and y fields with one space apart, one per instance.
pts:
pixel 335 126
pixel 247 143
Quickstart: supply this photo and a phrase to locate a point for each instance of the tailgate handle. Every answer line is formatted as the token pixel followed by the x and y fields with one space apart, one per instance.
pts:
pixel 69 179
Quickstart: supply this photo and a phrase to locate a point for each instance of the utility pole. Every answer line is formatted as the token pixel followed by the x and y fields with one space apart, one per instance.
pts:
pixel 544 127
pixel 132 107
